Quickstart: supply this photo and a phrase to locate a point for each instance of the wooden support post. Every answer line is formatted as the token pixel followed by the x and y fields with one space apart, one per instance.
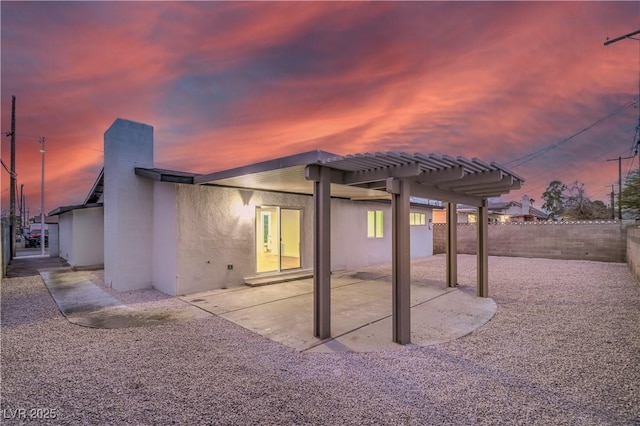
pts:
pixel 483 255
pixel 401 259
pixel 452 245
pixel 322 254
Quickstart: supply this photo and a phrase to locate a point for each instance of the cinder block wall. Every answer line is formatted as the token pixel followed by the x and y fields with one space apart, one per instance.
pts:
pixel 633 250
pixel 600 241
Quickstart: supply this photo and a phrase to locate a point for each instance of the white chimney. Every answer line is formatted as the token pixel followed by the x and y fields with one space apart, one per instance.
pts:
pixel 526 203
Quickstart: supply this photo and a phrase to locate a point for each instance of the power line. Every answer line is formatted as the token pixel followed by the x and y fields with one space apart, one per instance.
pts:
pixel 7 169
pixel 525 159
pixel 558 174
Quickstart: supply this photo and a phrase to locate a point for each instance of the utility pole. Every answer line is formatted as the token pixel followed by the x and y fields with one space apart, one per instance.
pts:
pixel 21 205
pixel 619 160
pixel 630 37
pixel 613 208
pixel 42 150
pixel 12 189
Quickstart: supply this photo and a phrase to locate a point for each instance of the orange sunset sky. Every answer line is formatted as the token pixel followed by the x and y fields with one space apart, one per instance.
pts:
pixel 226 84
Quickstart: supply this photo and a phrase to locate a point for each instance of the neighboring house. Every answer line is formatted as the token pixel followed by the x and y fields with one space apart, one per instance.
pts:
pixel 514 211
pixel 465 214
pixel 499 212
pixel 79 237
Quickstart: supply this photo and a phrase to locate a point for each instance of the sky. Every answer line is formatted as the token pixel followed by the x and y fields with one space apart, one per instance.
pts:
pixel 226 84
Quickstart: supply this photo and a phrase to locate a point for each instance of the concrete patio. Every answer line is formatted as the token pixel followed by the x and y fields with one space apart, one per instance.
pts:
pixel 283 312
pixel 361 312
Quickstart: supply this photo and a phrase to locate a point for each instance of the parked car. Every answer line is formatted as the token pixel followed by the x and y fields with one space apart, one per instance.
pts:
pixel 33 238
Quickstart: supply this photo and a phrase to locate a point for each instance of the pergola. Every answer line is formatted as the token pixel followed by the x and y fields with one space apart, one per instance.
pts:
pixel 391 175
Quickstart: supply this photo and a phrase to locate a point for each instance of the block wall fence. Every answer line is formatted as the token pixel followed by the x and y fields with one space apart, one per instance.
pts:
pixel 604 241
pixel 633 250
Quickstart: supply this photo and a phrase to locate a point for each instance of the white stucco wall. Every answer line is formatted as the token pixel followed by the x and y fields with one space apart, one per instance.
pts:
pixel 164 260
pixel 216 228
pixel 422 235
pixel 65 235
pixel 352 248
pixel 81 236
pixel 54 240
pixel 128 204
pixel 88 237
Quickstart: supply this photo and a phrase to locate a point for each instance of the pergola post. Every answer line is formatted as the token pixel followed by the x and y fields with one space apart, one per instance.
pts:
pixel 322 254
pixel 452 245
pixel 401 259
pixel 483 255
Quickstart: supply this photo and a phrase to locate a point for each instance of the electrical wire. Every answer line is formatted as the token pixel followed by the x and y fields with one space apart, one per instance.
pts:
pixel 525 159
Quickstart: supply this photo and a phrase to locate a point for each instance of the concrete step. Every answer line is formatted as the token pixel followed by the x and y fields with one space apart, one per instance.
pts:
pixel 278 277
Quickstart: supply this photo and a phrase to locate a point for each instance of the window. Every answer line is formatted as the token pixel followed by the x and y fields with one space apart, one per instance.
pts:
pixel 375 224
pixel 417 219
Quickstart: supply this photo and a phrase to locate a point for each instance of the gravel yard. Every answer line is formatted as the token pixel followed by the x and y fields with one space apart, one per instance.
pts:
pixel 563 348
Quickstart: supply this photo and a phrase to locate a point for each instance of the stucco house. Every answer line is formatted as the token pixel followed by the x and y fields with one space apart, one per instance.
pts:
pixel 183 233
pixel 516 211
pixel 499 212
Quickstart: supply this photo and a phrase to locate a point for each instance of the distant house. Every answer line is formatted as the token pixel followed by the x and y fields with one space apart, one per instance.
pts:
pixel 499 212
pixel 465 214
pixel 514 211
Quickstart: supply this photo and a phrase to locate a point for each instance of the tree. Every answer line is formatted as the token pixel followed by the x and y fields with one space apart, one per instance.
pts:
pixel 554 199
pixel 572 202
pixel 577 205
pixel 631 194
pixel 600 210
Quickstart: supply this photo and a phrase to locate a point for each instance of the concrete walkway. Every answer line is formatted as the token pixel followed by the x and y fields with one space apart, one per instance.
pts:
pixel 361 312
pixel 86 304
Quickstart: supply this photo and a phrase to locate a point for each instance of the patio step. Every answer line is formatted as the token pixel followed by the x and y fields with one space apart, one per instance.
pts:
pixel 279 277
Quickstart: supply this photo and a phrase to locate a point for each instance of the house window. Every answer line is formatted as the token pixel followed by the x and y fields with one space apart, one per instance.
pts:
pixel 375 224
pixel 417 219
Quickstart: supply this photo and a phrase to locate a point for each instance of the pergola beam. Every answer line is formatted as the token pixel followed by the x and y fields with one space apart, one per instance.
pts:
pixel 492 190
pixel 434 193
pixel 474 180
pixel 400 171
pixel 439 176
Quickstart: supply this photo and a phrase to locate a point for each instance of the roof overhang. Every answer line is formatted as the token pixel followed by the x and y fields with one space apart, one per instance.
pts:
pixel 95 195
pixel 163 175
pixel 65 209
pixel 364 176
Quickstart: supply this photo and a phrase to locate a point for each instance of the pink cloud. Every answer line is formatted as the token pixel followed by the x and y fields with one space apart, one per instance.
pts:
pixel 221 82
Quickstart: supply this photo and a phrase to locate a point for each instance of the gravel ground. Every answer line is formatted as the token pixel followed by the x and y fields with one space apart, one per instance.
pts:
pixel 563 348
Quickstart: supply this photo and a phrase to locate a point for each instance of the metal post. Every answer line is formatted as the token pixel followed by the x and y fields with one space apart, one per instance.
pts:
pixel 452 245
pixel 322 254
pixel 401 259
pixel 43 151
pixel 483 255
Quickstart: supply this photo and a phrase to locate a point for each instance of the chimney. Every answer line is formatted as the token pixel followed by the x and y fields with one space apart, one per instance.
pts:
pixel 526 203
